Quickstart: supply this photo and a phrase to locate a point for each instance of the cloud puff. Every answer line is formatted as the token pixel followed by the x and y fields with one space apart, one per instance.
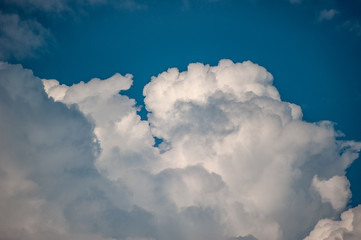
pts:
pixel 347 228
pixel 335 190
pixel 118 127
pixel 327 14
pixel 236 162
pixel 230 120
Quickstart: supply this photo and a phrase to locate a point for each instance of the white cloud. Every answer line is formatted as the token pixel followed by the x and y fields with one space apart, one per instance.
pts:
pixel 230 120
pixel 335 190
pixel 327 14
pixel 347 228
pixel 118 128
pixel 237 162
pixel 49 186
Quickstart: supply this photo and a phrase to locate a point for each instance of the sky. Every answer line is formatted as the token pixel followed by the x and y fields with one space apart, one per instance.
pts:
pixel 189 120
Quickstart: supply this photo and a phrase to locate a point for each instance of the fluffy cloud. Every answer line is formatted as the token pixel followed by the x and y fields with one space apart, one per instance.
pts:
pixel 347 228
pixel 50 188
pixel 230 120
pixel 126 141
pixel 236 162
pixel 335 190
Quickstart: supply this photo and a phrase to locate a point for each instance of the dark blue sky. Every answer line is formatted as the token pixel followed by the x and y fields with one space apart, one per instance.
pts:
pixel 315 61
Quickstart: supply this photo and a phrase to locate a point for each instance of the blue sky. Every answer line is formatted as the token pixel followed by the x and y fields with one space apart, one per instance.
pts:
pixel 312 48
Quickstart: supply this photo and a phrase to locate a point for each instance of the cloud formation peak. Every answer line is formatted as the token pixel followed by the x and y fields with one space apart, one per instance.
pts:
pixel 236 162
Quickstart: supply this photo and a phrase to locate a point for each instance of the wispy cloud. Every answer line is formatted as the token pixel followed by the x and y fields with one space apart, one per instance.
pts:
pixel 353 26
pixel 327 14
pixel 22 33
pixel 19 37
pixel 295 1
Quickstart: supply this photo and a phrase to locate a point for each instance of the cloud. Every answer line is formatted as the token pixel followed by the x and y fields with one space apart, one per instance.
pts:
pixel 57 6
pixel 51 5
pixel 327 14
pixel 347 228
pixel 295 1
pixel 19 37
pixel 22 23
pixel 353 26
pixel 335 190
pixel 230 120
pixel 50 188
pixel 236 162
pixel 118 127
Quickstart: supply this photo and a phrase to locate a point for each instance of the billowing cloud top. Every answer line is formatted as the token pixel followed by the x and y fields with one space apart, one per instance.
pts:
pixel 236 162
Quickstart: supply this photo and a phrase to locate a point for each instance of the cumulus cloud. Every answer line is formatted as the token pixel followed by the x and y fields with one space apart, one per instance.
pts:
pixel 230 120
pixel 50 188
pixel 236 162
pixel 327 14
pixel 347 228
pixel 335 190
pixel 118 127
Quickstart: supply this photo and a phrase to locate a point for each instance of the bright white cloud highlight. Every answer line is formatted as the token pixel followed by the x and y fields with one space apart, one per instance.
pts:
pixel 348 228
pixel 236 161
pixel 126 141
